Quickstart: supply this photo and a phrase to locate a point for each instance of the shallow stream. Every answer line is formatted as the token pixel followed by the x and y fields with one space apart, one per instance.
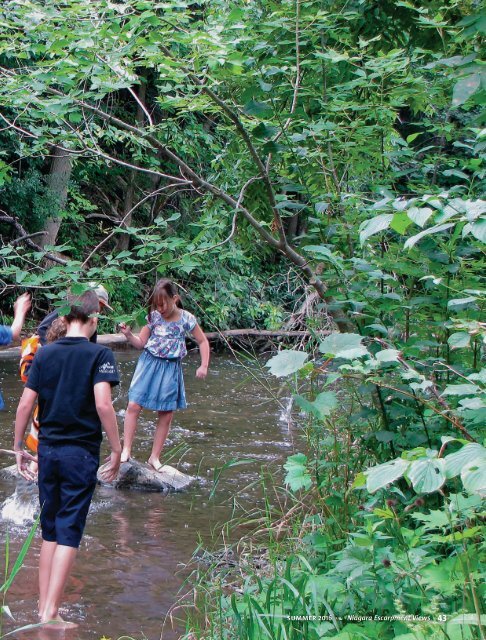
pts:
pixel 130 566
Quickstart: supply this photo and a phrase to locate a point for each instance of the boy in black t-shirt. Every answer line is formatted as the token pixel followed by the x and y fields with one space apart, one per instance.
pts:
pixel 71 379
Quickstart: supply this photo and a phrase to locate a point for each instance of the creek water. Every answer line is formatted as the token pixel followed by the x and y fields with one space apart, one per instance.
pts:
pixel 131 564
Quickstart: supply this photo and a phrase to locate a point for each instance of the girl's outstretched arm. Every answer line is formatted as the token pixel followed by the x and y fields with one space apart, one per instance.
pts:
pixel 203 343
pixel 21 307
pixel 139 341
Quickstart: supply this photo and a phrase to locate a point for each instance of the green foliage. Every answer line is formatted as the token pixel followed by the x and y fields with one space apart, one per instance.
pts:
pixel 286 362
pixel 428 473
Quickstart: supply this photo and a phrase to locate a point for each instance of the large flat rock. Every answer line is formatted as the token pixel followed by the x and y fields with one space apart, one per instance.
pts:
pixel 135 475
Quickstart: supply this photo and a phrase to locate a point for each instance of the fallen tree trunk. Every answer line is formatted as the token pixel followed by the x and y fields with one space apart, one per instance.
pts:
pixel 215 335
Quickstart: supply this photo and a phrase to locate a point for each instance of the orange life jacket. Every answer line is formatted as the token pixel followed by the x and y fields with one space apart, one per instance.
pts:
pixel 29 349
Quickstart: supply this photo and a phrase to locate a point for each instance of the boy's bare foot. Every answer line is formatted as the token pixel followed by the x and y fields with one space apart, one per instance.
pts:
pixel 125 456
pixel 58 623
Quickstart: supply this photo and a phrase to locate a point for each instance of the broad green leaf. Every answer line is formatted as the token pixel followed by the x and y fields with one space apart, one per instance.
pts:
pixel 324 253
pixel 459 340
pixel 460 390
pixel 384 474
pixel 455 462
pixel 263 131
pixel 419 216
pixel 438 228
pixel 384 513
pixel 437 519
pixel 343 345
pixel 456 173
pixel 400 222
pixel 413 136
pixel 325 403
pixel 475 23
pixel 465 505
pixel 378 327
pixel 460 303
pixel 427 475
pixel 373 226
pixel 297 476
pixel 478 377
pixel 472 403
pixel 478 230
pixel 321 407
pixel 474 209
pixel 388 355
pixel 465 88
pixel 473 475
pixel 445 577
pixel 258 109
pixel 359 481
pixel 286 362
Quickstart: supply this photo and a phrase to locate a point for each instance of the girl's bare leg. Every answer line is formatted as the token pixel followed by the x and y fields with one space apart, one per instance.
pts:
pixel 163 425
pixel 129 429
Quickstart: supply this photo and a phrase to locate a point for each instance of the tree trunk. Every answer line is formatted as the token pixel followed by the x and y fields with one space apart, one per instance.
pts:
pixel 58 183
pixel 124 240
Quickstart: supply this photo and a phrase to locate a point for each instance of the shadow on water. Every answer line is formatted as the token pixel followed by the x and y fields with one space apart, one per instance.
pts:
pixel 130 565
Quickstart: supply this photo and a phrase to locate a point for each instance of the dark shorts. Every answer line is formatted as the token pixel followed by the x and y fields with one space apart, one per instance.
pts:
pixel 67 480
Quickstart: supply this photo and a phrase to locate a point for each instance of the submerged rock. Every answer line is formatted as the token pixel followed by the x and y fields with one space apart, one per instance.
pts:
pixel 135 475
pixel 9 473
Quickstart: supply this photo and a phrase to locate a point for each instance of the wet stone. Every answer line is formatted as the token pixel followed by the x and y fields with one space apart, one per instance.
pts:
pixel 135 475
pixel 132 475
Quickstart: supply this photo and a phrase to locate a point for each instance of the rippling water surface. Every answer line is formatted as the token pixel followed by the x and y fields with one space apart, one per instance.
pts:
pixel 130 566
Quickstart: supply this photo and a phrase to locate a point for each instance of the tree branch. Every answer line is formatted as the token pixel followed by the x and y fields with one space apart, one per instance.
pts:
pixel 26 237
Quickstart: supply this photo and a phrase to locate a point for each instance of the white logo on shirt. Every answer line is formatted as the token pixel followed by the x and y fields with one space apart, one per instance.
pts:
pixel 107 367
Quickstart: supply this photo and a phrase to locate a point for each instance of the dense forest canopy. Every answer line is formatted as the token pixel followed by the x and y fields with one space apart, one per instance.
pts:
pixel 238 147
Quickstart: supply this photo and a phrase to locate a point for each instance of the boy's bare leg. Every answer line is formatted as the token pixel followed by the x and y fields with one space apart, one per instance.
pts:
pixel 163 425
pixel 129 429
pixel 62 560
pixel 45 564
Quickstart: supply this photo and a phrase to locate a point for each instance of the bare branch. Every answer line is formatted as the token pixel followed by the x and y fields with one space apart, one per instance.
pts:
pixel 26 237
pixel 127 215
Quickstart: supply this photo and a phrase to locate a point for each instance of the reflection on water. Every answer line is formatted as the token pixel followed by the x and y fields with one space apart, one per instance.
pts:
pixel 130 565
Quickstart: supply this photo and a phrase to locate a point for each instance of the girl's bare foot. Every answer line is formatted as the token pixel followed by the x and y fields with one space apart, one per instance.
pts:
pixel 58 623
pixel 154 463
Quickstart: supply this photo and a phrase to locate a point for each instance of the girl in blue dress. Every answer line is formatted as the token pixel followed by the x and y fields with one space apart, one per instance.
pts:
pixel 158 383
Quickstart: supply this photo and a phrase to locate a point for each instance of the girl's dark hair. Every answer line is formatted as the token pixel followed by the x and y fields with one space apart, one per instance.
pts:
pixel 163 287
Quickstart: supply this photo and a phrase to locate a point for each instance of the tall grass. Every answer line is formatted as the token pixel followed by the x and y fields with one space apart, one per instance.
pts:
pixel 10 574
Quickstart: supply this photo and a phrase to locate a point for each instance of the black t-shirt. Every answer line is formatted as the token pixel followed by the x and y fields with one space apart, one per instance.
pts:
pixel 44 326
pixel 64 374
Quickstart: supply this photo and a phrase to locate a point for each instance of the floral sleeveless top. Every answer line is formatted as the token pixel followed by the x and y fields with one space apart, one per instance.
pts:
pixel 168 339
